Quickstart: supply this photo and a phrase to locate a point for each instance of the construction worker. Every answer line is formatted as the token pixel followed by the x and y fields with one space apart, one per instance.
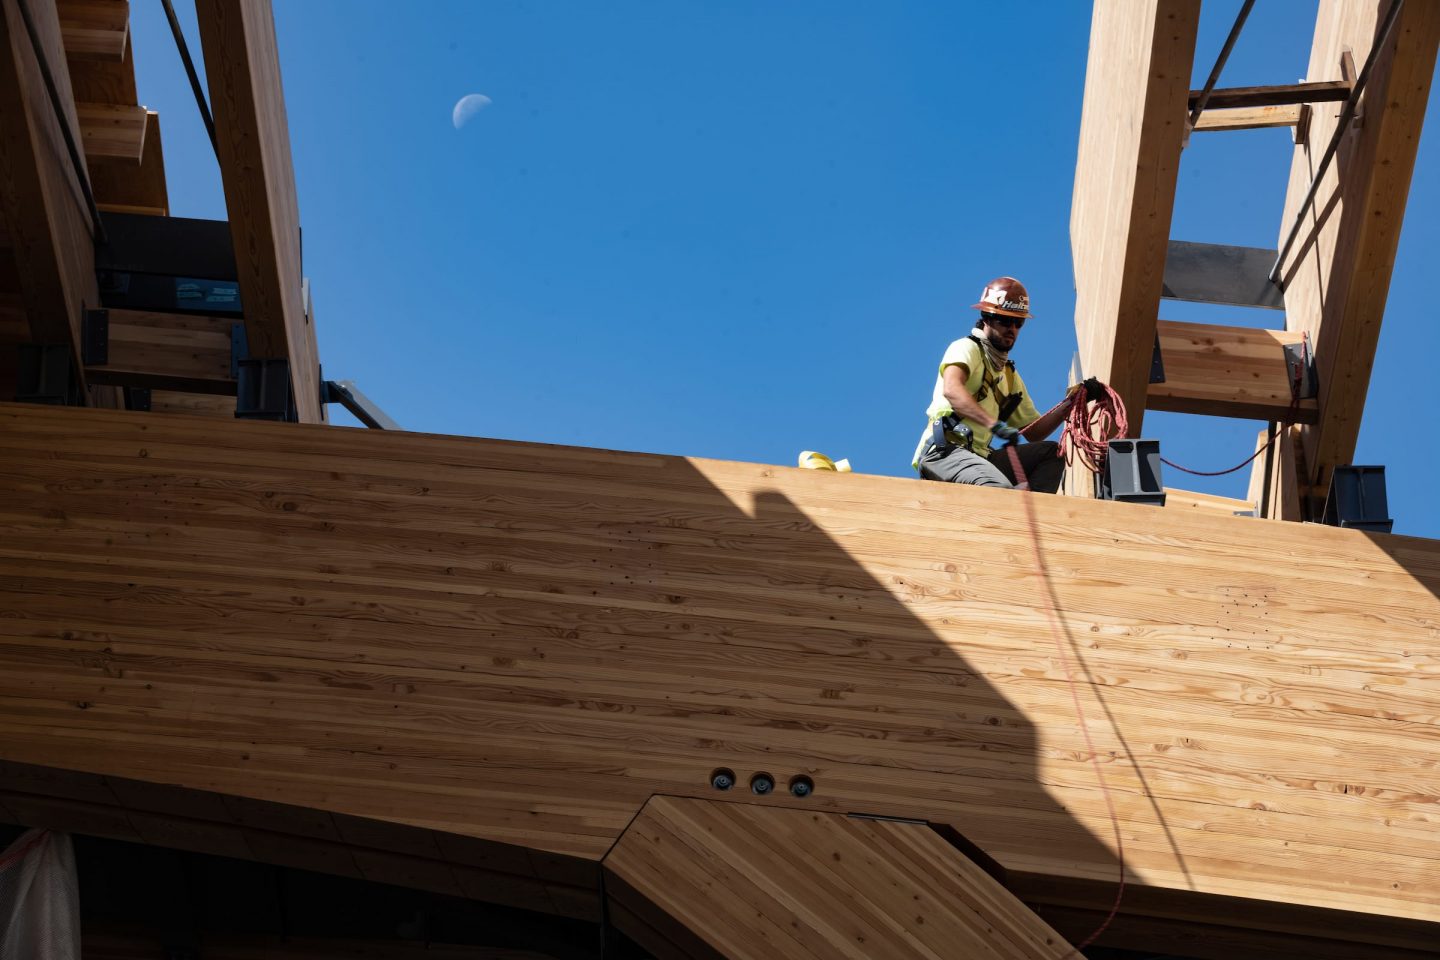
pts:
pixel 979 396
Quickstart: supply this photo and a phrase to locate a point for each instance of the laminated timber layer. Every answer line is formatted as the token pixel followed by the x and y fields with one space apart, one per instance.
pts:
pixel 515 646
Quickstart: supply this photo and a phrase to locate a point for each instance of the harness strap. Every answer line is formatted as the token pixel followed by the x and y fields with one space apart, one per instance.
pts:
pixel 1007 403
pixel 941 429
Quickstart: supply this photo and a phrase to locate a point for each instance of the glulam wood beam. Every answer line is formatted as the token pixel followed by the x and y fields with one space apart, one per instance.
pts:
pixel 1249 118
pixel 1137 81
pixel 167 351
pixel 40 196
pixel 242 65
pixel 523 643
pixel 1211 937
pixel 135 188
pixel 1320 91
pixel 104 81
pixel 1225 371
pixel 705 878
pixel 1206 503
pixel 95 29
pixel 192 404
pixel 112 131
pixel 1337 277
pixel 127 162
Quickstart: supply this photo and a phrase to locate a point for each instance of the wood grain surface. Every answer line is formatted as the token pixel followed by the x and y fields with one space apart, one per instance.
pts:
pixel 252 142
pixel 1225 371
pixel 40 197
pixel 168 351
pixel 1249 118
pixel 1132 127
pixel 1337 276
pixel 131 188
pixel 523 643
pixel 749 883
pixel 95 29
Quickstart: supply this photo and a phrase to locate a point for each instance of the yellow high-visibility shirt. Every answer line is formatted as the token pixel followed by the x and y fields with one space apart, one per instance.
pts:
pixel 988 385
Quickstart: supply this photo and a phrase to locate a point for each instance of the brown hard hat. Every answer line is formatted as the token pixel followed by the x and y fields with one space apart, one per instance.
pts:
pixel 1006 296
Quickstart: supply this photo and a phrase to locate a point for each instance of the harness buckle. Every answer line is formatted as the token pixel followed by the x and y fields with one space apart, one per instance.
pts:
pixel 941 430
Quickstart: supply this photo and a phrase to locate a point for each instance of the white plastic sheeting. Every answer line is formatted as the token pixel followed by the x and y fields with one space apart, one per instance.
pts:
pixel 39 899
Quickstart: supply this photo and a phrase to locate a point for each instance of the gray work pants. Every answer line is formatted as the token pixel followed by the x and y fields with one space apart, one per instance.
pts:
pixel 1042 467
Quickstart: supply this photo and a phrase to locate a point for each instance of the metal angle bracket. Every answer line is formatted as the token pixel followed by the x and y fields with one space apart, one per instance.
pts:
pixel 1157 363
pixel 137 398
pixel 1348 74
pixel 263 391
pixel 239 349
pixel 1300 370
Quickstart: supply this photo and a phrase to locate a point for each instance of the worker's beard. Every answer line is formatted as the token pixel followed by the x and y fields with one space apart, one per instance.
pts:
pixel 997 354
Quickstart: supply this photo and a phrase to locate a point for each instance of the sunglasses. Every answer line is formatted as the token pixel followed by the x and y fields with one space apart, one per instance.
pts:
pixel 1002 321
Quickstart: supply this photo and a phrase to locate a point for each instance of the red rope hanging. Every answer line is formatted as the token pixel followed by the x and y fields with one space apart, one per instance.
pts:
pixel 1057 633
pixel 1089 428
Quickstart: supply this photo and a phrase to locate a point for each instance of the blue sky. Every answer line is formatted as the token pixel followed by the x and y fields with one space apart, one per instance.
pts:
pixel 740 230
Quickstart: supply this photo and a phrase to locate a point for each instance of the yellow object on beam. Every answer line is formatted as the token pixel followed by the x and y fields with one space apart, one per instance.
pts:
pixel 813 460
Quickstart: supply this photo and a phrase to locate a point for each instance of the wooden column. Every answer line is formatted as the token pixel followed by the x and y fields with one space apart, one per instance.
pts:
pixel 1337 277
pixel 1137 84
pixel 40 197
pixel 1275 476
pixel 242 65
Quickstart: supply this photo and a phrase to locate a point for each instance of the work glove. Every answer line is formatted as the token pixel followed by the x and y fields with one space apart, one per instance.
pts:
pixel 1090 391
pixel 1005 433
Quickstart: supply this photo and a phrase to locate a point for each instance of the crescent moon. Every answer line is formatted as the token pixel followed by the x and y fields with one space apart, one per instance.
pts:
pixel 466 108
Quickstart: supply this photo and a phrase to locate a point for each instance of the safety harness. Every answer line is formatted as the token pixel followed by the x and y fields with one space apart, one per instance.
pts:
pixel 952 423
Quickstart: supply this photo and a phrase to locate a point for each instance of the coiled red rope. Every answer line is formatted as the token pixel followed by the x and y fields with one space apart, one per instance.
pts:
pixel 1090 426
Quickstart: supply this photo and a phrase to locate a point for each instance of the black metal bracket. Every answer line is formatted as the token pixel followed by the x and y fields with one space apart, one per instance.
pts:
pixel 239 349
pixel 1357 499
pixel 137 398
pixel 1132 473
pixel 263 391
pixel 95 338
pixel 47 375
pixel 1157 363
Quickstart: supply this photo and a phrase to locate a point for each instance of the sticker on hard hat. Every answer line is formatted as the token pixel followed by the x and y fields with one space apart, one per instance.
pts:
pixel 996 296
